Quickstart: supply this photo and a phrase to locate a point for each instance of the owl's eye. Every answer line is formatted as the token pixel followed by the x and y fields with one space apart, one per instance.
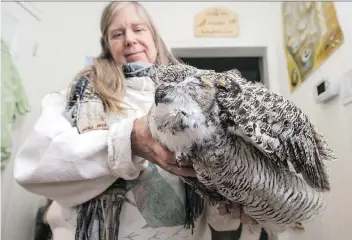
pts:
pixel 197 82
pixel 195 85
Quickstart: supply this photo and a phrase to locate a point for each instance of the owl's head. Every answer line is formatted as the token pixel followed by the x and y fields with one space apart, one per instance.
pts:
pixel 184 100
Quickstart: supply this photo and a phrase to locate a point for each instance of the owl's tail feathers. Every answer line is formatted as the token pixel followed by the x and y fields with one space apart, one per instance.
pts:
pixel 325 152
pixel 324 155
pixel 312 153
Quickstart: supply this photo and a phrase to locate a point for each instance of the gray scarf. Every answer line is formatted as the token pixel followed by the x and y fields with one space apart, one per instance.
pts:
pixel 98 218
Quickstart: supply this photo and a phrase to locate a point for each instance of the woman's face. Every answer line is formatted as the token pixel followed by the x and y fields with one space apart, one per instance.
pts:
pixel 130 38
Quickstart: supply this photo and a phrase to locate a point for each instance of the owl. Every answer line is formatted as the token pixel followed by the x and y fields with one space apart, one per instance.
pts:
pixel 248 145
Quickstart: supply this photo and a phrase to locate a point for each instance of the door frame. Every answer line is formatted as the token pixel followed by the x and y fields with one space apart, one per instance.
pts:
pixel 209 52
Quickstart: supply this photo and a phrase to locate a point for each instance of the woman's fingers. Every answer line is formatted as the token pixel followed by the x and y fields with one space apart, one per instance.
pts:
pixel 185 171
pixel 187 164
pixel 236 210
pixel 174 169
pixel 245 219
pixel 222 209
pixel 162 154
pixel 148 148
pixel 180 171
pixel 166 159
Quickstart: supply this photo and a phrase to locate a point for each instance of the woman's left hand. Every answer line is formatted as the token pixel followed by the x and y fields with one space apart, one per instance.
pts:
pixel 143 145
pixel 236 212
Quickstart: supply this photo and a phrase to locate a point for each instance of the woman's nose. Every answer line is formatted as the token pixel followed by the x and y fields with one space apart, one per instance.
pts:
pixel 130 38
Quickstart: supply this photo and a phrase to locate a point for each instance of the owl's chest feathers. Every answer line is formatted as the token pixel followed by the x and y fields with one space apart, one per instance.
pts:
pixel 215 151
pixel 226 160
pixel 182 141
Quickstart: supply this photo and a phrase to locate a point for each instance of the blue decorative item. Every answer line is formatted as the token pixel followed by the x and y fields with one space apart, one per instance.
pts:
pixel 88 61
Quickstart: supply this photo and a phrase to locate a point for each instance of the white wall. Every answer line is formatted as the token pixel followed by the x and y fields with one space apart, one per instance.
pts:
pixel 255 27
pixel 19 33
pixel 67 32
pixel 70 31
pixel 335 122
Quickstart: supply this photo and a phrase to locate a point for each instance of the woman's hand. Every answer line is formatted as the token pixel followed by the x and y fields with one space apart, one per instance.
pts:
pixel 143 145
pixel 236 212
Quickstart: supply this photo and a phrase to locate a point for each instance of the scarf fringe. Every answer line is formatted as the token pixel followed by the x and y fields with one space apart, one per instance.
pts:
pixel 99 217
pixel 194 206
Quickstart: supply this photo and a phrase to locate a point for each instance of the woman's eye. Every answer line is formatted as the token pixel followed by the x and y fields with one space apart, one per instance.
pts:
pixel 139 30
pixel 116 35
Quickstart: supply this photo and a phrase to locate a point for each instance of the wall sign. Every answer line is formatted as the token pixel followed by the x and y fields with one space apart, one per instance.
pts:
pixel 216 22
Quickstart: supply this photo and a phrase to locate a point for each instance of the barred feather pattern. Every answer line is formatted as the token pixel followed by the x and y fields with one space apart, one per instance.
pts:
pixel 241 139
pixel 273 124
pixel 276 198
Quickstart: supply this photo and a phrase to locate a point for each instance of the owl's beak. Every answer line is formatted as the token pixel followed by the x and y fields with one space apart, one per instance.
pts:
pixel 159 96
pixel 157 100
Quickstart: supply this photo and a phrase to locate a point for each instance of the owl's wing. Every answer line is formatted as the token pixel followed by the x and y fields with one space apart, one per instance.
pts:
pixel 205 192
pixel 274 125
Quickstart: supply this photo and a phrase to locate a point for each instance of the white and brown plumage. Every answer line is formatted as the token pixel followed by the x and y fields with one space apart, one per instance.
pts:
pixel 241 139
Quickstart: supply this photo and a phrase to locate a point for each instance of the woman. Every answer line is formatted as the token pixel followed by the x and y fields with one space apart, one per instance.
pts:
pixel 88 153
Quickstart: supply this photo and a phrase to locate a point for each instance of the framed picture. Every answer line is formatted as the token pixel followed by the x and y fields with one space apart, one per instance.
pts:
pixel 311 34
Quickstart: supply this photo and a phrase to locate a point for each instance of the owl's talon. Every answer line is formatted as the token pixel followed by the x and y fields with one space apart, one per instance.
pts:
pixel 298 227
pixel 178 161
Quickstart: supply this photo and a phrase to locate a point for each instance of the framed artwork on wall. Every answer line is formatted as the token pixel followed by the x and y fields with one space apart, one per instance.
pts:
pixel 311 34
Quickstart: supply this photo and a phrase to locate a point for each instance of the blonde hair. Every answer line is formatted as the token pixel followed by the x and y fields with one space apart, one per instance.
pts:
pixel 106 76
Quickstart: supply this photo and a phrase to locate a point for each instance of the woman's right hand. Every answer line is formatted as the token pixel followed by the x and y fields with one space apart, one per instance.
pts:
pixel 145 146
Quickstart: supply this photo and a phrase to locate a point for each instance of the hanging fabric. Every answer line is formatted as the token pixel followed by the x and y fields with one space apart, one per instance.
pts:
pixel 14 101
